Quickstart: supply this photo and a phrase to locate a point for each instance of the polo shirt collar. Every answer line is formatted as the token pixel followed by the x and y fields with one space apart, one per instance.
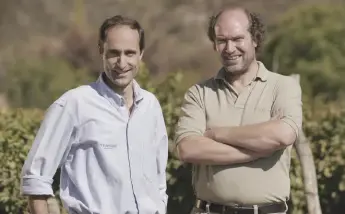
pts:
pixel 261 75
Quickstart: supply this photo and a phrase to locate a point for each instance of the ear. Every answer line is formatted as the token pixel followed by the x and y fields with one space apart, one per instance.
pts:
pixel 100 47
pixel 215 46
pixel 255 44
pixel 141 54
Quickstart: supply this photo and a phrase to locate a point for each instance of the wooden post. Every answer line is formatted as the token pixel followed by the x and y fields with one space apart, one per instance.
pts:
pixel 305 157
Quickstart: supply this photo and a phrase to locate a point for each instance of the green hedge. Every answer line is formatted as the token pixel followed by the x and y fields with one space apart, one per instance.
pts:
pixel 18 127
pixel 326 134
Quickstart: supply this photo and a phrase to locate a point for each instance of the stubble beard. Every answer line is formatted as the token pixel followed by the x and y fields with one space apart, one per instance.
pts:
pixel 116 83
pixel 239 68
pixel 235 70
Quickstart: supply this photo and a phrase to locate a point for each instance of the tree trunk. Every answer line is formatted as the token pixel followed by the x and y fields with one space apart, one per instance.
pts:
pixel 305 157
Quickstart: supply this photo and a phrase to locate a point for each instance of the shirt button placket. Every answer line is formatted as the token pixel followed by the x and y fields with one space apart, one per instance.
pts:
pixel 133 157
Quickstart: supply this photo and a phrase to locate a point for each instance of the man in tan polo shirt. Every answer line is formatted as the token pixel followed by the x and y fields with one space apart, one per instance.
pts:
pixel 238 128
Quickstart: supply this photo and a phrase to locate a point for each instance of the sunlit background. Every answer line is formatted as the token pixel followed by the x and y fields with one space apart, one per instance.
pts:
pixel 50 46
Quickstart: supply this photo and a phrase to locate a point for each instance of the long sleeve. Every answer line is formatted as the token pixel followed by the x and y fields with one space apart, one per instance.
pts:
pixel 162 155
pixel 48 151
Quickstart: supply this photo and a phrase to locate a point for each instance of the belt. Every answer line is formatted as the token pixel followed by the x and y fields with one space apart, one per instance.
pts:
pixel 278 207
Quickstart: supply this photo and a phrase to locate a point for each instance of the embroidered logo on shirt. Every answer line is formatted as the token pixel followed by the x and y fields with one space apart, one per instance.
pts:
pixel 108 146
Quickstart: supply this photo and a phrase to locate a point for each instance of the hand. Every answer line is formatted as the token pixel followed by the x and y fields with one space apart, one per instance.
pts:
pixel 209 133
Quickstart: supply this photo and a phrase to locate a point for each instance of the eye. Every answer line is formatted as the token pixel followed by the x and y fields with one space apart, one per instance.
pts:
pixel 237 39
pixel 130 53
pixel 220 41
pixel 111 54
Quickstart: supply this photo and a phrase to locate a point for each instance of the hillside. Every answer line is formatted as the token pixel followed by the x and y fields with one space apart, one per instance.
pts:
pixel 175 29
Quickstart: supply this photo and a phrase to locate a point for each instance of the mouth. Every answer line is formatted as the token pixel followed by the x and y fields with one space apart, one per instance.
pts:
pixel 120 72
pixel 232 58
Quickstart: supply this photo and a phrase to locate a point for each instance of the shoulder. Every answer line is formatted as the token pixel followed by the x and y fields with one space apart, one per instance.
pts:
pixel 285 85
pixel 199 88
pixel 73 96
pixel 283 81
pixel 72 101
pixel 150 98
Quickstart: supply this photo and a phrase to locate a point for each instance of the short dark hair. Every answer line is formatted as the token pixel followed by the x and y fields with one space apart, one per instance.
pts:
pixel 256 26
pixel 119 20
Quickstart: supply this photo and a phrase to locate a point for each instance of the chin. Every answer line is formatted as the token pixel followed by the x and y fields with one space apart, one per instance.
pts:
pixel 234 69
pixel 121 83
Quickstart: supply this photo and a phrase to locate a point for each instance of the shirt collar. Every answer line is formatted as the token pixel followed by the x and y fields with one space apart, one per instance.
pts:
pixel 111 95
pixel 261 75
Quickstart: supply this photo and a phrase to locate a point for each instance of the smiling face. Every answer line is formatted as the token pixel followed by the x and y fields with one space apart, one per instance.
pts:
pixel 121 56
pixel 234 42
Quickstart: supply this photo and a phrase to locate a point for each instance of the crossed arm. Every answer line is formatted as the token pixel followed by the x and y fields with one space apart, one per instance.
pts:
pixel 203 150
pixel 230 145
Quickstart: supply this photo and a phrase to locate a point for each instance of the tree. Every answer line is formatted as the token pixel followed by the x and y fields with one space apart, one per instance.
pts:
pixel 308 41
pixel 36 83
pixel 305 156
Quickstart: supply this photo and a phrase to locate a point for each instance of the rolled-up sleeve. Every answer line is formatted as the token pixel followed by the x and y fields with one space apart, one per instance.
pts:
pixel 192 120
pixel 289 103
pixel 48 151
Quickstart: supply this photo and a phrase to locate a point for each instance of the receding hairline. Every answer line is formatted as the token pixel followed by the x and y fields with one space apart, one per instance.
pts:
pixel 121 26
pixel 231 9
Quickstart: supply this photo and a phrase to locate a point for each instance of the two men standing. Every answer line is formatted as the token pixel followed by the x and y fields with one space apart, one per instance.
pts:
pixel 109 137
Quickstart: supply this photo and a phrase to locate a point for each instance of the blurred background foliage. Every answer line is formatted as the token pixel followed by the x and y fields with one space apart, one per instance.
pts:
pixel 309 41
pixel 48 47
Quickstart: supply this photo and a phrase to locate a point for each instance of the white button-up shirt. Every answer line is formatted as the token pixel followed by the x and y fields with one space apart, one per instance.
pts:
pixel 112 162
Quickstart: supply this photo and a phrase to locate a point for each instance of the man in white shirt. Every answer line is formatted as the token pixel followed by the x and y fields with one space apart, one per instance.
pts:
pixel 109 138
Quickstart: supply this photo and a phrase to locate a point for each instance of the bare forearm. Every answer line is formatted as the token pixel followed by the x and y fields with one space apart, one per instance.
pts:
pixel 202 150
pixel 261 138
pixel 38 204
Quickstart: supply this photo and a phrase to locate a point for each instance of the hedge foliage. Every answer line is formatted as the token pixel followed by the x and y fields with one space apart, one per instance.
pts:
pixel 312 50
pixel 17 129
pixel 30 80
pixel 326 132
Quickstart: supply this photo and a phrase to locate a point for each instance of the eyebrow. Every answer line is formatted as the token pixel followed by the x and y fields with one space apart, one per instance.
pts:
pixel 232 37
pixel 115 51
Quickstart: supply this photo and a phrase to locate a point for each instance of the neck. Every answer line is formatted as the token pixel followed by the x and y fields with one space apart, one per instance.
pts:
pixel 245 77
pixel 126 92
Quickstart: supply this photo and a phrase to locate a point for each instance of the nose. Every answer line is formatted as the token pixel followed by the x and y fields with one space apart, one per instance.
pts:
pixel 121 62
pixel 230 47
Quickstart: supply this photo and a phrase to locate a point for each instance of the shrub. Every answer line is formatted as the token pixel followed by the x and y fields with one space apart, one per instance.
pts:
pixel 326 134
pixel 36 83
pixel 17 133
pixel 326 131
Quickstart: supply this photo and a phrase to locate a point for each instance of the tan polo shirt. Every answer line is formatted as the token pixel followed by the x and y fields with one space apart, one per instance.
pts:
pixel 215 103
